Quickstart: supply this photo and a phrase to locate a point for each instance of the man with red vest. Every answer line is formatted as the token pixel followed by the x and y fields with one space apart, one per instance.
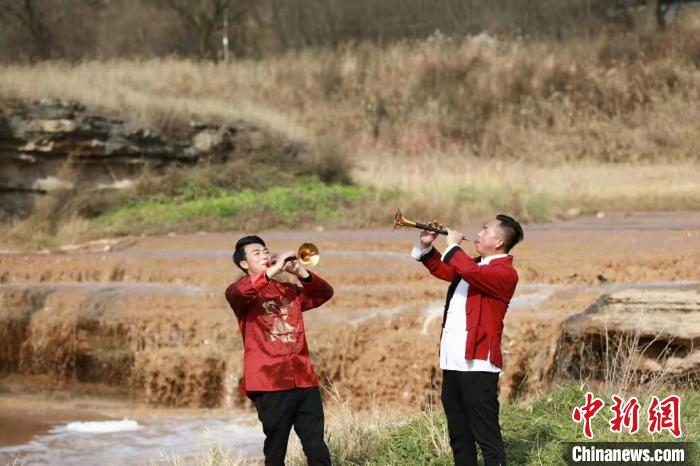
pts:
pixel 470 345
pixel 277 371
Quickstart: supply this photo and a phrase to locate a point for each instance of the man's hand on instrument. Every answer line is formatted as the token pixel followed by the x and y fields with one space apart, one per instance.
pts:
pixel 279 265
pixel 297 269
pixel 427 237
pixel 454 237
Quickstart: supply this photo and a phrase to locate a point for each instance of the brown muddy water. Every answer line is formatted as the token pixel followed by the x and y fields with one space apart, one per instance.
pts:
pixel 44 437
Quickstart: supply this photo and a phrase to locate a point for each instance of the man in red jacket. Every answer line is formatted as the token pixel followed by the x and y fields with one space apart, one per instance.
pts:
pixel 470 345
pixel 277 371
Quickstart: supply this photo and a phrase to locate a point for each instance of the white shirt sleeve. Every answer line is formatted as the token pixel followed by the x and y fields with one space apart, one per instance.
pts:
pixel 417 253
pixel 450 247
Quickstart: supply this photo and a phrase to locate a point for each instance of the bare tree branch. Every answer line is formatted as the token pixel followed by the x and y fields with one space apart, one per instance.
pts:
pixel 29 15
pixel 206 17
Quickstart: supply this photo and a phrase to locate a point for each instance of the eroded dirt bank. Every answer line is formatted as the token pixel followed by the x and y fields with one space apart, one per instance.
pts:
pixel 145 318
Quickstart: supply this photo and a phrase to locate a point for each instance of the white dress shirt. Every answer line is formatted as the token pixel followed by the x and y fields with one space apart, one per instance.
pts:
pixel 453 343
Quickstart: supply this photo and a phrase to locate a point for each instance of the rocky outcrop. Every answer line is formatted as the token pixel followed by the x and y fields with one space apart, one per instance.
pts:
pixel 640 332
pixel 49 145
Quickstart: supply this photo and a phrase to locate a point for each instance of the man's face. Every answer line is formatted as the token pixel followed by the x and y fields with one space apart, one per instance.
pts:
pixel 489 241
pixel 257 258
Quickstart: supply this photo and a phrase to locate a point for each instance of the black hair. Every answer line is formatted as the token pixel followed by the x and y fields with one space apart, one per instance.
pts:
pixel 239 253
pixel 512 229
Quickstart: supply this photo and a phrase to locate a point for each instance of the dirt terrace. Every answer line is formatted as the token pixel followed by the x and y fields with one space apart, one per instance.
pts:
pixel 148 317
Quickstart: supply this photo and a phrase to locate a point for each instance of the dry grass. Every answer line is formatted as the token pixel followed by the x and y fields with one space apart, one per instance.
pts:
pixel 216 455
pixel 625 362
pixel 616 99
pixel 624 355
pixel 460 126
pixel 351 436
pixel 529 191
pixel 161 93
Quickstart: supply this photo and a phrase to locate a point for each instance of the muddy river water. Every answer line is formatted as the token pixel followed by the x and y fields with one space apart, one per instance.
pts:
pixel 126 441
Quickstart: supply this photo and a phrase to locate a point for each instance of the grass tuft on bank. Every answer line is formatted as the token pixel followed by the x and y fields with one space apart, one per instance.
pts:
pixel 306 201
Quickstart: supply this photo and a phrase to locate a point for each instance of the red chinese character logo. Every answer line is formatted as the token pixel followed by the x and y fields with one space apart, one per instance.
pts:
pixel 587 412
pixel 626 416
pixel 665 414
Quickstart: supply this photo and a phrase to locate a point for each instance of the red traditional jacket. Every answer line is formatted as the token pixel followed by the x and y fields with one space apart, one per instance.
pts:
pixel 491 287
pixel 269 313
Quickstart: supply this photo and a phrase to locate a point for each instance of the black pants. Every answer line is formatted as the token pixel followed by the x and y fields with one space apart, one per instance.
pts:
pixel 301 408
pixel 471 405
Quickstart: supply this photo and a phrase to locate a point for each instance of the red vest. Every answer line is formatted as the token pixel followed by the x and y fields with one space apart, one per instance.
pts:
pixel 491 287
pixel 269 313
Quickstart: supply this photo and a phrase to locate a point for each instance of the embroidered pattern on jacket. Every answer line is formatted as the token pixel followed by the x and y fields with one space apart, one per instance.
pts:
pixel 276 319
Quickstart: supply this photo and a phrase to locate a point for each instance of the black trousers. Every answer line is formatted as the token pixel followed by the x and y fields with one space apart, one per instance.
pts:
pixel 301 408
pixel 471 405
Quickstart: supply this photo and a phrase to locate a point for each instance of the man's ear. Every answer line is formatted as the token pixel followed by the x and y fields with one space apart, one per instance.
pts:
pixel 244 265
pixel 500 244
